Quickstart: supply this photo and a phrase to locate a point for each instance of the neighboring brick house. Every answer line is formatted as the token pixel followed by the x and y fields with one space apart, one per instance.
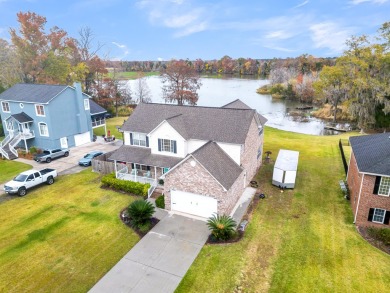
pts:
pixel 369 179
pixel 205 155
pixel 47 116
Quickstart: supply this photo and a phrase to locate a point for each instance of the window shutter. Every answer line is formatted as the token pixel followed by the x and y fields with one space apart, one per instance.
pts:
pixel 377 183
pixel 387 217
pixel 132 165
pixel 147 141
pixel 370 215
pixel 174 146
pixel 159 144
pixel 131 138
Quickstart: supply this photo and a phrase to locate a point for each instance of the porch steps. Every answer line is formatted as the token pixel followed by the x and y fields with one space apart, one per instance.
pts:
pixel 11 156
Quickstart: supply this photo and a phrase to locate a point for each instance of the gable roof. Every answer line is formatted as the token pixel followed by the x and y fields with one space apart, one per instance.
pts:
pixel 22 117
pixel 220 165
pixel 229 125
pixel 237 104
pixel 95 109
pixel 32 93
pixel 372 153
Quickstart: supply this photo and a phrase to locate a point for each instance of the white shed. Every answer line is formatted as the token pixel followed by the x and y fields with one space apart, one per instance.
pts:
pixel 285 169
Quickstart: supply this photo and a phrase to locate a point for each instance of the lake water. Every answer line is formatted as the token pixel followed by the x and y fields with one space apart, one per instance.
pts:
pixel 216 92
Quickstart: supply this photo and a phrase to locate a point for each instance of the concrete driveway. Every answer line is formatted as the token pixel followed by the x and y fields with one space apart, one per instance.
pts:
pixel 68 165
pixel 159 261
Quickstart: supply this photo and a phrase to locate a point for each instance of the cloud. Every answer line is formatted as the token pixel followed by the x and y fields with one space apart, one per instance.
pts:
pixel 302 4
pixel 330 35
pixel 357 2
pixel 160 59
pixel 280 34
pixel 279 48
pixel 125 51
pixel 180 15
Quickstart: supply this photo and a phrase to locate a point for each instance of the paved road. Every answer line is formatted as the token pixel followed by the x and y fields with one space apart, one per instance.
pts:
pixel 159 261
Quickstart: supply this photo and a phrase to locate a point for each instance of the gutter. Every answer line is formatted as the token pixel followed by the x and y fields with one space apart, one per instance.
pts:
pixel 360 192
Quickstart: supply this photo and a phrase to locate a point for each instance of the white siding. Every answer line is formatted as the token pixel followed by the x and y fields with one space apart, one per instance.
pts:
pixel 233 150
pixel 166 131
pixel 126 136
pixel 193 145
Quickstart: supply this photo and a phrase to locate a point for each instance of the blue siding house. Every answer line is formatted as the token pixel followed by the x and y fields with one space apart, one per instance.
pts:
pixel 47 116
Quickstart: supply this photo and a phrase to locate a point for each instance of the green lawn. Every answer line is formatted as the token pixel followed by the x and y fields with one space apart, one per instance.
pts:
pixel 131 74
pixel 301 240
pixel 10 169
pixel 111 125
pixel 63 237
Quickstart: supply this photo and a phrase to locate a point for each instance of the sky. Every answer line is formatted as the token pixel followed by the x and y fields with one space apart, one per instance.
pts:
pixel 181 29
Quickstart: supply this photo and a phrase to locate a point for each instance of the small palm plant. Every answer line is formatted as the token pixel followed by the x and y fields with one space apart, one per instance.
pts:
pixel 140 212
pixel 221 227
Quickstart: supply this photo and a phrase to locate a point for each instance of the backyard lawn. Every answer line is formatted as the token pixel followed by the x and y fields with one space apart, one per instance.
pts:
pixel 9 169
pixel 301 240
pixel 111 125
pixel 63 237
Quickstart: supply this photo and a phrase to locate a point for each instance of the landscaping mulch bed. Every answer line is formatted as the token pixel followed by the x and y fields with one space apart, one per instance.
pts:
pixel 374 242
pixel 140 233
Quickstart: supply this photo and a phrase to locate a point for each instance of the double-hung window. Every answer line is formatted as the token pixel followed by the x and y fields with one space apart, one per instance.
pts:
pixel 5 106
pixel 379 216
pixel 167 145
pixel 43 130
pixel 384 186
pixel 40 110
pixel 86 104
pixel 139 139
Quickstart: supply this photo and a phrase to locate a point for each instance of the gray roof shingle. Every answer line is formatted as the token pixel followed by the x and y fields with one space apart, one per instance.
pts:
pixel 372 153
pixel 22 117
pixel 237 104
pixel 228 125
pixel 143 156
pixel 218 163
pixel 95 109
pixel 32 93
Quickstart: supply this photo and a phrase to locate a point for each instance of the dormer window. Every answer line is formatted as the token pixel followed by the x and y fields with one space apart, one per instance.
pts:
pixel 5 106
pixel 40 110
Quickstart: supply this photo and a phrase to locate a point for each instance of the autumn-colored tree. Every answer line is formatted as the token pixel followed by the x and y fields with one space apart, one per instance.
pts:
pixel 10 70
pixel 181 83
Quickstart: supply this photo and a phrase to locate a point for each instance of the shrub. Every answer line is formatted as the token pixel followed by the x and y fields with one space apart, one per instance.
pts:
pixel 33 150
pixel 136 188
pixel 140 212
pixel 221 227
pixel 381 234
pixel 161 182
pixel 160 203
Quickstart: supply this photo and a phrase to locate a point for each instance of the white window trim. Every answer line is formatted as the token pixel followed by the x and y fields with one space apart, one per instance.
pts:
pixel 47 128
pixel 381 194
pixel 136 137
pixel 86 104
pixel 172 150
pixel 383 219
pixel 2 107
pixel 36 110
pixel 6 125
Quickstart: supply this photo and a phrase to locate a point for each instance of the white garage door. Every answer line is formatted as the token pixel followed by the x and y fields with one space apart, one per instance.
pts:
pixel 192 203
pixel 82 138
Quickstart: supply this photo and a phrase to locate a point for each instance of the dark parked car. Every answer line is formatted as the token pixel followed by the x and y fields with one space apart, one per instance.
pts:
pixel 87 160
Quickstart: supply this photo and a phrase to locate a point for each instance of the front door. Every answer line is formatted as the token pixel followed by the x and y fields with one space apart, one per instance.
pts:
pixel 64 142
pixel 25 129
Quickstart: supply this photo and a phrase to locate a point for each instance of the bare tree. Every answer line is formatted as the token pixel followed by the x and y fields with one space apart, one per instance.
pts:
pixel 10 69
pixel 142 91
pixel 181 82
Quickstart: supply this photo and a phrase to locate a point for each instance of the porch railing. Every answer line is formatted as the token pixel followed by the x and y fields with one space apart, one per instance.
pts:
pixel 4 142
pixel 97 123
pixel 14 142
pixel 124 174
pixel 31 134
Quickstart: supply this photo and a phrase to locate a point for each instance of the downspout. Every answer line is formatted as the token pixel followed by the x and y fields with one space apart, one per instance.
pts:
pixel 360 192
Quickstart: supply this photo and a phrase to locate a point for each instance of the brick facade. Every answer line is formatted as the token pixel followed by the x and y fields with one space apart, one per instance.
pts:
pixel 367 198
pixel 249 160
pixel 196 179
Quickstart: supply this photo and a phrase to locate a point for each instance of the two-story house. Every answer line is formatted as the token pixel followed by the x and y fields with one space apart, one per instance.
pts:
pixel 47 116
pixel 205 155
pixel 369 179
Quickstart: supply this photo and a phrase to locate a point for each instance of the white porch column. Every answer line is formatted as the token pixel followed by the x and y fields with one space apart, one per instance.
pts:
pixel 25 144
pixel 116 171
pixel 155 173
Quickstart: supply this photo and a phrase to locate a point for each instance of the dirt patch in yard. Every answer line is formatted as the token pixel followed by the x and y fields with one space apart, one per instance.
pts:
pixel 374 242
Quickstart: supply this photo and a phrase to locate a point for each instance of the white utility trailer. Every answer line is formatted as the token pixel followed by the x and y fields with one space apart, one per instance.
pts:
pixel 285 169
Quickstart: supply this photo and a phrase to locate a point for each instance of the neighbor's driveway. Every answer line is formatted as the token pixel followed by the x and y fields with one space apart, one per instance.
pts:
pixel 159 261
